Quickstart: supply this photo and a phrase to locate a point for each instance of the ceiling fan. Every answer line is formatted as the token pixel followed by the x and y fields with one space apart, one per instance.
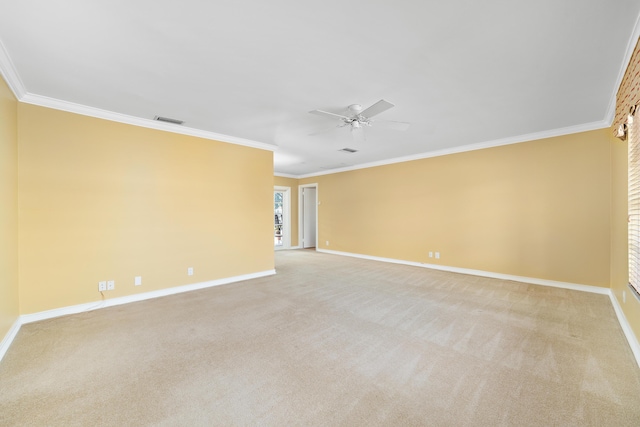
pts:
pixel 357 119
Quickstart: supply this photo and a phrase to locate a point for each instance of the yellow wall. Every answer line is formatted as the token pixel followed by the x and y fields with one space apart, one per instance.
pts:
pixel 293 183
pixel 106 201
pixel 101 200
pixel 8 210
pixel 538 209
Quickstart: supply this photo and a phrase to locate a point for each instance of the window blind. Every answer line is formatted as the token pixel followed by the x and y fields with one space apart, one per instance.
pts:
pixel 633 127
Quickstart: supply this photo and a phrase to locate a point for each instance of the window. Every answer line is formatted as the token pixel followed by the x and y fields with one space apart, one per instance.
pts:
pixel 633 127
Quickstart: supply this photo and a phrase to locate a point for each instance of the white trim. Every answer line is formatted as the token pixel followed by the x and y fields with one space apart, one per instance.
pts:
pixel 9 337
pixel 611 110
pixel 481 273
pixel 470 147
pixel 49 314
pixel 626 328
pixel 622 320
pixel 285 175
pixel 57 104
pixel 29 318
pixel 9 73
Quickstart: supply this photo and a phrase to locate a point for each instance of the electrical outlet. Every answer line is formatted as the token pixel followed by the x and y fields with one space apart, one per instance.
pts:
pixel 430 254
pixel 138 281
pixel 624 296
pixel 111 285
pixel 102 286
pixel 437 255
pixel 190 271
pixel 327 242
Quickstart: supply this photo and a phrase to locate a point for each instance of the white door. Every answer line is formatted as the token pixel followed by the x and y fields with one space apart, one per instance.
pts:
pixel 309 207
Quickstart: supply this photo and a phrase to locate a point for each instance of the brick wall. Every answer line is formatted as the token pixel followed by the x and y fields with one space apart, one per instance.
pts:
pixel 629 91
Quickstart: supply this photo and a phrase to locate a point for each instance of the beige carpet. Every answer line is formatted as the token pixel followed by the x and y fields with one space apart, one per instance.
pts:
pixel 331 341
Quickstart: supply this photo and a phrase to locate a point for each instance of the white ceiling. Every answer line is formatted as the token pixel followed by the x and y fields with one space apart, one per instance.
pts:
pixel 463 72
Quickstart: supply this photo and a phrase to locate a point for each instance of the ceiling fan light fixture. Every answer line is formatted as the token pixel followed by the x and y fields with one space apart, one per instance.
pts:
pixel 358 118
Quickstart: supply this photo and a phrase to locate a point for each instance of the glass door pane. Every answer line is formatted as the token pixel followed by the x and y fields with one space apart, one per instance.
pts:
pixel 278 203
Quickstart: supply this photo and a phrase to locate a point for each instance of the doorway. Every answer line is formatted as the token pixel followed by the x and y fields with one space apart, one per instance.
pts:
pixel 308 215
pixel 281 222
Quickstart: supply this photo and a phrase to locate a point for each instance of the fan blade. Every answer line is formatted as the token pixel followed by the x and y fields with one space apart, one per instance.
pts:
pixel 328 114
pixel 391 124
pixel 377 108
pixel 358 134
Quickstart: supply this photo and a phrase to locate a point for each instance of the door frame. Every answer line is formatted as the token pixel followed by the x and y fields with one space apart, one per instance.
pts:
pixel 286 216
pixel 301 212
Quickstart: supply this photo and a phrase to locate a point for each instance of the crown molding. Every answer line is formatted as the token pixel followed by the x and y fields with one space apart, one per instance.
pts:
pixel 470 147
pixel 611 109
pixel 9 73
pixel 70 107
pixel 285 175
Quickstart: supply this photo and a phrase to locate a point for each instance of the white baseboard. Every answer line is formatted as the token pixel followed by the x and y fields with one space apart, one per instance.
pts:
pixel 481 273
pixel 9 337
pixel 622 320
pixel 29 318
pixel 626 327
pixel 80 308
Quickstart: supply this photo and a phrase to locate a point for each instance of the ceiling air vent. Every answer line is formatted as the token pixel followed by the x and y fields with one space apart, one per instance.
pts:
pixel 349 150
pixel 168 120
